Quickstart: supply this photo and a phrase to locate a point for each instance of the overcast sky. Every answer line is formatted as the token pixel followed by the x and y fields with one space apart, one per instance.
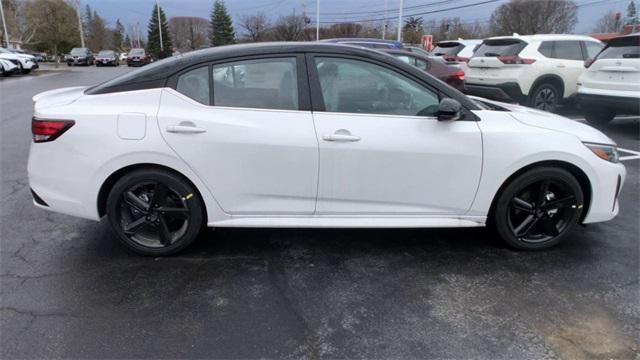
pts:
pixel 132 11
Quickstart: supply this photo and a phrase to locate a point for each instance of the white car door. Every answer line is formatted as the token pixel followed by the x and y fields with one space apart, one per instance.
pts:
pixel 568 61
pixel 255 147
pixel 382 150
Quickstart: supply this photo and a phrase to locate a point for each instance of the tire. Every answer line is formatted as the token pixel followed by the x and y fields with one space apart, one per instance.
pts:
pixel 546 97
pixel 538 209
pixel 155 227
pixel 599 116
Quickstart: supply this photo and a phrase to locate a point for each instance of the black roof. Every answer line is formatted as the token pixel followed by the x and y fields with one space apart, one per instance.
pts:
pixel 156 74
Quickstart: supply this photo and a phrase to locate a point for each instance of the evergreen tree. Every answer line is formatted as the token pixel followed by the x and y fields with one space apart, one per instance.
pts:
pixel 153 35
pixel 118 36
pixel 632 15
pixel 221 25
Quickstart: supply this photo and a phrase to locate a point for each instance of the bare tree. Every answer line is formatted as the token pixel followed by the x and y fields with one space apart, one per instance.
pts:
pixel 291 28
pixel 534 17
pixel 188 33
pixel 17 27
pixel 608 23
pixel 255 26
pixel 54 23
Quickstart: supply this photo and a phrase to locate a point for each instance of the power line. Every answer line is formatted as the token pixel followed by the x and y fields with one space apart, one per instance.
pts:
pixel 416 14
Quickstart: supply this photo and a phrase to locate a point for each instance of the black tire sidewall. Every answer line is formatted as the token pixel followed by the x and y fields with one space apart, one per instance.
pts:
pixel 196 221
pixel 538 88
pixel 500 213
pixel 599 116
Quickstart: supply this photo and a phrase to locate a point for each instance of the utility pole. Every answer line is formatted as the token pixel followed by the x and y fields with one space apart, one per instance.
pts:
pixel 400 20
pixel 317 20
pixel 80 23
pixel 384 26
pixel 160 27
pixel 4 25
pixel 138 32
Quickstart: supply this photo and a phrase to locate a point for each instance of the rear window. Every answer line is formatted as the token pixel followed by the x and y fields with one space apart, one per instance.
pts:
pixel 136 52
pixel 105 53
pixel 447 49
pixel 78 51
pixel 500 47
pixel 622 48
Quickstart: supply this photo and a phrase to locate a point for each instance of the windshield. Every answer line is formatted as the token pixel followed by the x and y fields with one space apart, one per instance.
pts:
pixel 105 53
pixel 500 47
pixel 136 52
pixel 78 51
pixel 451 48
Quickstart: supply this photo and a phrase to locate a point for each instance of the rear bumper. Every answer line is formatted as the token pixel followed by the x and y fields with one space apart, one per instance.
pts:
pixel 509 91
pixel 622 105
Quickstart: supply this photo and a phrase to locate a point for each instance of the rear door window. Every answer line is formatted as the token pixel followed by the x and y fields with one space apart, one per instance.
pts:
pixel 546 49
pixel 500 47
pixel 260 83
pixel 567 50
pixel 195 84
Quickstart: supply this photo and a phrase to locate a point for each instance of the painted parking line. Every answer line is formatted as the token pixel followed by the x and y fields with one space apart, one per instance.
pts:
pixel 635 155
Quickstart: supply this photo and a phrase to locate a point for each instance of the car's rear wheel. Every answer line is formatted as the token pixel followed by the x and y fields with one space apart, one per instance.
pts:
pixel 545 97
pixel 599 116
pixel 537 209
pixel 155 212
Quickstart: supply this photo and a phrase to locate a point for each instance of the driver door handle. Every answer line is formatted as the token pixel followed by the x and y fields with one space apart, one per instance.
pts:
pixel 341 136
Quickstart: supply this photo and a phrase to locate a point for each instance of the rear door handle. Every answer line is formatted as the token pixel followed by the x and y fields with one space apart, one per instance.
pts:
pixel 185 127
pixel 341 138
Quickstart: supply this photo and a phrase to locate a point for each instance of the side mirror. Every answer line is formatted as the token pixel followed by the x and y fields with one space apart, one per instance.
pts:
pixel 449 109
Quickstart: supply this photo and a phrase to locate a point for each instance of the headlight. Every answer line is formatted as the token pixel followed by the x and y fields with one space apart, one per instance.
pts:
pixel 605 152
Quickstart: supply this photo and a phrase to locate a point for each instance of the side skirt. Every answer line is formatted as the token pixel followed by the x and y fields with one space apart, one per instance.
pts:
pixel 351 222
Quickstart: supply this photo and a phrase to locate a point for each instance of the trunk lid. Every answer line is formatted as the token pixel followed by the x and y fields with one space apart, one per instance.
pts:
pixel 58 97
pixel 616 67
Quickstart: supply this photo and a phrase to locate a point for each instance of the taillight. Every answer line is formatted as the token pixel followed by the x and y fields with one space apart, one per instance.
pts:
pixel 49 130
pixel 458 74
pixel 515 60
pixel 588 62
pixel 455 58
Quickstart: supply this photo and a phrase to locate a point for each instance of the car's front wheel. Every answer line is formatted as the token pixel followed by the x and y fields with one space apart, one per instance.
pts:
pixel 538 208
pixel 155 212
pixel 545 97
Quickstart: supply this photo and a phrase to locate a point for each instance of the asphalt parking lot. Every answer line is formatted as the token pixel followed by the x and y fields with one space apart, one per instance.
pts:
pixel 69 290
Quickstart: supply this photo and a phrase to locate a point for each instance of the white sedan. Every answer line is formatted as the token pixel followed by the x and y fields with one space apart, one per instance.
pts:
pixel 311 135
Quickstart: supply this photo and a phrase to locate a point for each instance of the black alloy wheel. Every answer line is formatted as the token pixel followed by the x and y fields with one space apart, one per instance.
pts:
pixel 537 209
pixel 545 97
pixel 154 212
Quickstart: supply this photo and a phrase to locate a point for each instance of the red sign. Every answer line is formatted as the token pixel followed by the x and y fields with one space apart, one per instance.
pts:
pixel 427 42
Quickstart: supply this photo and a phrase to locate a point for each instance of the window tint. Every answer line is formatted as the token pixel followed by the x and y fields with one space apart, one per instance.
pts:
pixel 264 84
pixel 593 48
pixel 627 47
pixel 447 49
pixel 195 84
pixel 546 48
pixel 353 86
pixel 568 50
pixel 500 47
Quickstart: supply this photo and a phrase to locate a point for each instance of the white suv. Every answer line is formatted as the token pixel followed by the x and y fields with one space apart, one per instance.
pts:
pixel 540 71
pixel 456 50
pixel 611 83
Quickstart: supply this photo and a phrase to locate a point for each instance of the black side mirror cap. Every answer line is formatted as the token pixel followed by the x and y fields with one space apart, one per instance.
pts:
pixel 449 109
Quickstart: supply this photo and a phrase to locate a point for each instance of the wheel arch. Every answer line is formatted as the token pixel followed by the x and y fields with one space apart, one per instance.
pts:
pixel 578 173
pixel 110 181
pixel 548 78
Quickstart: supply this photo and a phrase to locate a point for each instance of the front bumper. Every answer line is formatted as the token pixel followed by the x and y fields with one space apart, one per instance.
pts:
pixel 622 105
pixel 507 92
pixel 606 187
